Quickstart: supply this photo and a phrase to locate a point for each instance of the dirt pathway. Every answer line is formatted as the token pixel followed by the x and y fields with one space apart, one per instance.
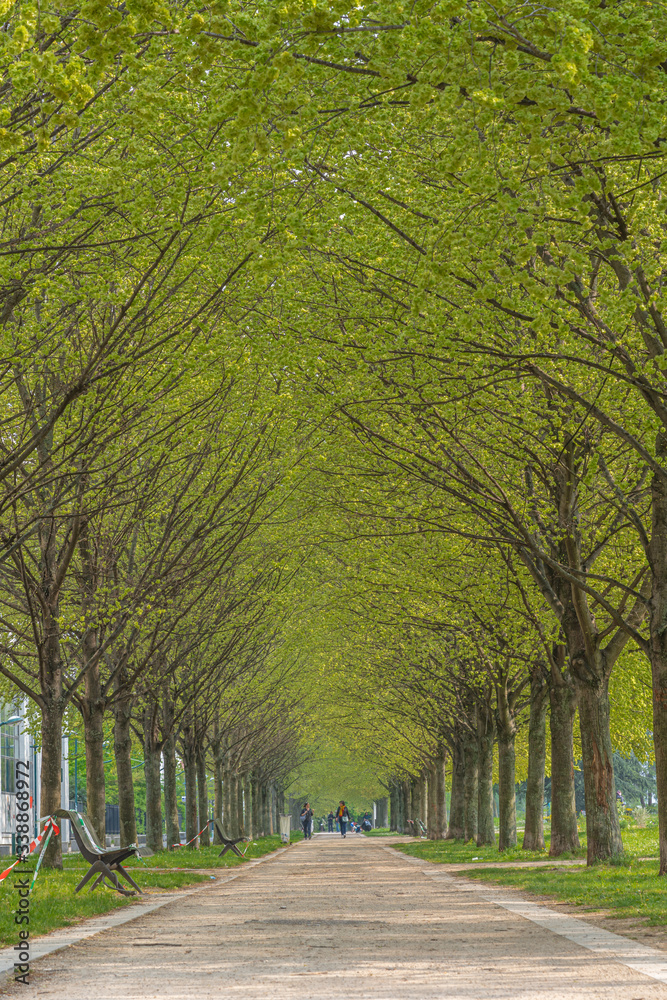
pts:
pixel 335 919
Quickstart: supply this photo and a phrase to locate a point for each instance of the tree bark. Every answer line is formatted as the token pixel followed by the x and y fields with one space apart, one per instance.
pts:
pixel 190 769
pixel 415 803
pixel 658 642
pixel 393 807
pixel 603 831
pixel 470 787
pixel 122 737
pixel 92 709
pixel 506 790
pixel 256 811
pixel 51 764
pixel 564 834
pixel 437 822
pixel 486 833
pixel 239 806
pixel 406 787
pixel 247 805
pixel 152 757
pixel 533 838
pixel 172 821
pixel 218 798
pixel 233 804
pixel 266 811
pixel 456 829
pixel 202 797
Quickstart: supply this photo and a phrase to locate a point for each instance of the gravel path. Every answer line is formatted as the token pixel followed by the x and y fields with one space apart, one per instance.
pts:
pixel 336 918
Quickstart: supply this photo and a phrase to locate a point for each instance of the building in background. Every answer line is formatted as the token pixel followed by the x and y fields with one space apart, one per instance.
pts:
pixel 16 743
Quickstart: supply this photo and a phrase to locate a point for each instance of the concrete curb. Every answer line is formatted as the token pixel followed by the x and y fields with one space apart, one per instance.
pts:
pixel 650 962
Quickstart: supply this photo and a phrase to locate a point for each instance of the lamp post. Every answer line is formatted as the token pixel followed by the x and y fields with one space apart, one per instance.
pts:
pixel 11 722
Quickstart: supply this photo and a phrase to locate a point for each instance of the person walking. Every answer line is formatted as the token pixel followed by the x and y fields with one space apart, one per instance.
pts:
pixel 330 821
pixel 343 817
pixel 306 819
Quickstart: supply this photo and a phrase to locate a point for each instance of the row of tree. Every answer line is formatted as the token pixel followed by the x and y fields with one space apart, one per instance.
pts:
pixel 355 312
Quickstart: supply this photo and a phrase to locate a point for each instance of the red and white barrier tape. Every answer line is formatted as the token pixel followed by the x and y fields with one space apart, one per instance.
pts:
pixel 194 838
pixel 49 827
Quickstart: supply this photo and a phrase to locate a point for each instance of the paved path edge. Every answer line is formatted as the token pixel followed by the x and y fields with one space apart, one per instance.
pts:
pixel 46 944
pixel 650 962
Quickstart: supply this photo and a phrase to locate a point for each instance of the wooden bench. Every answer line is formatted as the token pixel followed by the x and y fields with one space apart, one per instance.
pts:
pixel 229 845
pixel 106 864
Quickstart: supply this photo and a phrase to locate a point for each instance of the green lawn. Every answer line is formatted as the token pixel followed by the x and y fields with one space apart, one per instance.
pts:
pixel 54 904
pixel 631 890
pixel 637 843
pixel 628 888
pixel 456 852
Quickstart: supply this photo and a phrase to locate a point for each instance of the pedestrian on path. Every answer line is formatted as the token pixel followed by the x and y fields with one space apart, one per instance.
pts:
pixel 343 817
pixel 330 821
pixel 306 819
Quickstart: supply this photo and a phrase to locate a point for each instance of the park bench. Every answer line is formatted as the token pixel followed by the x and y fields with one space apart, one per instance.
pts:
pixel 229 845
pixel 105 863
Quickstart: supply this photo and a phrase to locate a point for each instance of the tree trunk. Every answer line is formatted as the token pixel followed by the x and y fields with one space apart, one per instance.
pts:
pixel 218 798
pixel 415 803
pixel 172 821
pixel 266 818
pixel 564 834
pixel 393 807
pixel 400 807
pixel 406 787
pixel 247 805
pixel 256 812
pixel 423 797
pixel 122 738
pixel 437 823
pixel 506 790
pixel 190 769
pixel 202 797
pixel 92 707
pixel 233 804
pixel 658 644
pixel 603 831
pixel 50 774
pixel 533 838
pixel 152 756
pixel 486 833
pixel 456 829
pixel 431 807
pixel 470 787
pixel 239 807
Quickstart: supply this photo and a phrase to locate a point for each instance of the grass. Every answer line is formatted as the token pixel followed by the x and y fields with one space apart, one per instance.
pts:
pixel 631 890
pixel 628 888
pixel 53 902
pixel 637 843
pixel 456 852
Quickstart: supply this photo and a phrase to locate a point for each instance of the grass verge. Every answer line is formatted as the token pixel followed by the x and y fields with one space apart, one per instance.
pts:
pixel 630 890
pixel 54 904
pixel 636 843
pixel 627 889
pixel 458 853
